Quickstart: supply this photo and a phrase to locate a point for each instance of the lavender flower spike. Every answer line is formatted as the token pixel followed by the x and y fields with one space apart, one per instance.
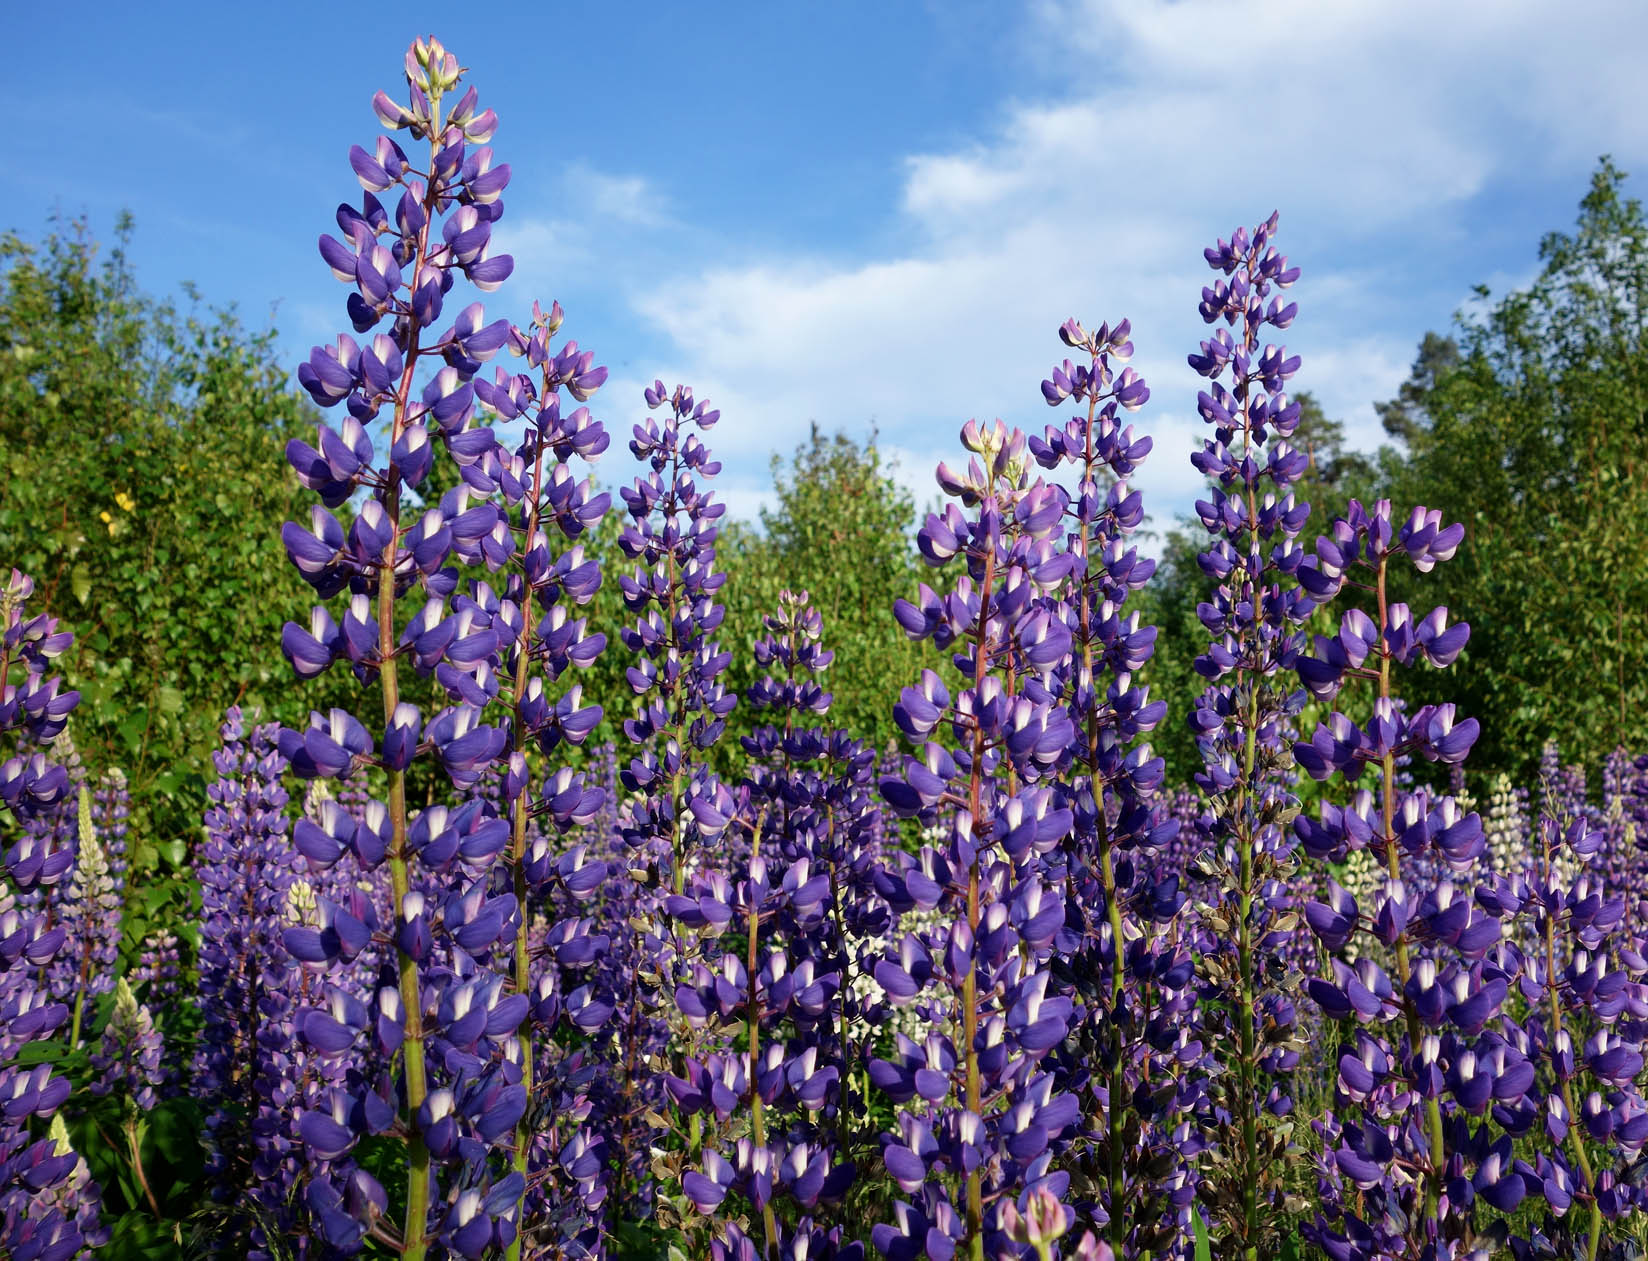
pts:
pixel 37 1177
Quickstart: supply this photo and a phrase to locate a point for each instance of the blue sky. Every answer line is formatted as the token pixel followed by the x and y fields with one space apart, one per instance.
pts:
pixel 866 213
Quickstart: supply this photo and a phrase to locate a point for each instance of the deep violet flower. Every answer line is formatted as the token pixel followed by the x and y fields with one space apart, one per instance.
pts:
pixel 439 1056
pixel 1119 955
pixel 1427 1043
pixel 1242 725
pixel 791 899
pixel 1027 853
pixel 677 812
pixel 39 1216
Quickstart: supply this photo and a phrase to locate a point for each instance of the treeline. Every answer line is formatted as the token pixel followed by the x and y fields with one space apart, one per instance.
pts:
pixel 150 436
pixel 1528 422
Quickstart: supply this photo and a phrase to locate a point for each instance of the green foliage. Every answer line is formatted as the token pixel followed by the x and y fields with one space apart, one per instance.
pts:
pixel 840 528
pixel 168 1140
pixel 144 1200
pixel 144 487
pixel 1536 437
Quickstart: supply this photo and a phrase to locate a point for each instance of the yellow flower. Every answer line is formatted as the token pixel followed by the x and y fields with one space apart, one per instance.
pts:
pixel 125 501
pixel 107 520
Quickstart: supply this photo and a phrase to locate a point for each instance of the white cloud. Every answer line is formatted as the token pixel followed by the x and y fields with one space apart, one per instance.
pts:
pixel 545 250
pixel 531 239
pixel 627 199
pixel 1351 376
pixel 1375 128
pixel 596 212
pixel 744 503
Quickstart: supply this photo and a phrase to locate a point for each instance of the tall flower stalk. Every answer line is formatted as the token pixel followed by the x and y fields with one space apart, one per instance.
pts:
pixel 1418 1050
pixel 449 1011
pixel 677 807
pixel 978 1114
pixel 1582 1039
pixel 91 912
pixel 786 974
pixel 671 536
pixel 1241 723
pixel 39 1212
pixel 248 1075
pixel 541 639
pixel 1121 961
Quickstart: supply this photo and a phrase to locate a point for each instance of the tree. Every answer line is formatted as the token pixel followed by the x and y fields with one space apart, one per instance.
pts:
pixel 1536 440
pixel 144 488
pixel 1404 416
pixel 840 528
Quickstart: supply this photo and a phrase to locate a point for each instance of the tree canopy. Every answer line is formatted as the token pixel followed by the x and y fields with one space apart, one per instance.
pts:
pixel 1531 427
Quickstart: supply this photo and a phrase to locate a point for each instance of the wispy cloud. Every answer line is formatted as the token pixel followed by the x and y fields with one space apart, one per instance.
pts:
pixel 624 199
pixel 607 230
pixel 1379 130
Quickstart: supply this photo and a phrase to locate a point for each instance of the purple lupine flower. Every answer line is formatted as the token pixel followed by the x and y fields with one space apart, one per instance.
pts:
pixel 158 972
pixel 981 1104
pixel 597 1099
pixel 128 1060
pixel 1406 1167
pixel 1623 818
pixel 55 829
pixel 76 1200
pixel 248 1072
pixel 792 900
pixel 157 977
pixel 541 639
pixel 1562 789
pixel 679 811
pixel 432 1059
pixel 1242 724
pixel 1581 1045
pixel 37 1177
pixel 1121 899
pixel 683 705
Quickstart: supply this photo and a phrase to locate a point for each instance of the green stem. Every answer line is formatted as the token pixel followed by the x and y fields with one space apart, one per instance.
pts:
pixel 1246 1003
pixel 518 819
pixel 969 984
pixel 413 1242
pixel 1433 1107
pixel 842 1033
pixel 134 1148
pixel 1246 1013
pixel 1116 1081
pixel 79 1006
pixel 1117 1078
pixel 969 1025
pixel 758 1118
pixel 412 1048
